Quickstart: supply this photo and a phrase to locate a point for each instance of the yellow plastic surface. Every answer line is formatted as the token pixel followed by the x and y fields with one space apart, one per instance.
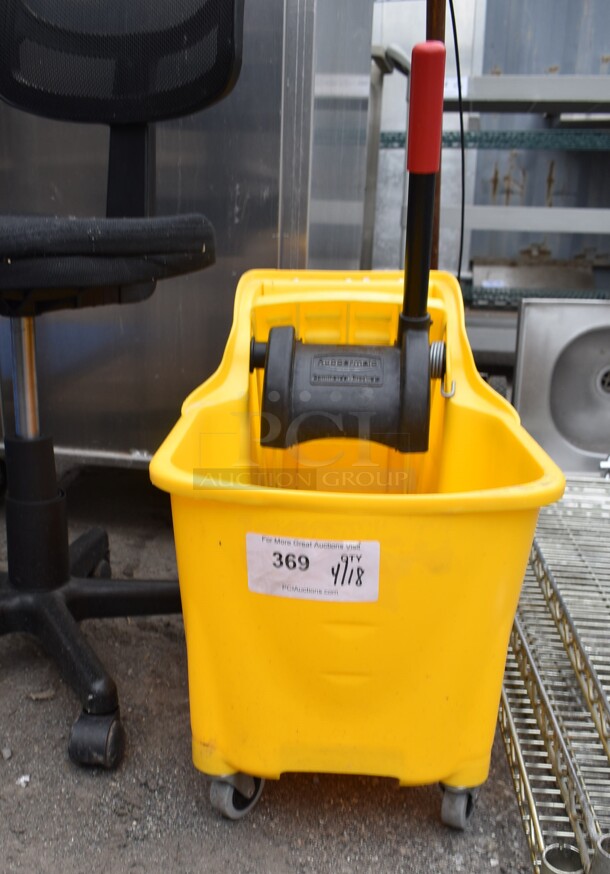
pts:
pixel 407 686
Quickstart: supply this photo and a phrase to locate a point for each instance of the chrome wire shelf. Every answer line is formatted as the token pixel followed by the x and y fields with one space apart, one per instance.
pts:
pixel 571 560
pixel 554 714
pixel 543 812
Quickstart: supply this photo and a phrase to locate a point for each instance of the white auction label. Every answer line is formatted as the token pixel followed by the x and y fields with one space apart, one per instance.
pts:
pixel 315 570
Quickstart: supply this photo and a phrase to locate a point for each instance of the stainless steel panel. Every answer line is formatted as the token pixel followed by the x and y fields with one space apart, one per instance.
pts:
pixel 538 94
pixel 562 380
pixel 338 152
pixel 539 220
pixel 297 118
pixel 324 119
pixel 112 379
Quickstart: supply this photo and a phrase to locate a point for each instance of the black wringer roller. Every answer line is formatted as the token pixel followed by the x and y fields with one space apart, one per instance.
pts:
pixel 379 393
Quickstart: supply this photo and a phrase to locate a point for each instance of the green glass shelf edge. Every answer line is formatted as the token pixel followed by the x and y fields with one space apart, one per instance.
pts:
pixel 549 140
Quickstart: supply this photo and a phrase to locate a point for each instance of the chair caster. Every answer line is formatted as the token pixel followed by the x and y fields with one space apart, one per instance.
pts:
pixel 102 571
pixel 97 740
pixel 235 796
pixel 458 806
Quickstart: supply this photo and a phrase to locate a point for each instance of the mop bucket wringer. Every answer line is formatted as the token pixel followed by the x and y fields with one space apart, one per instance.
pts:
pixel 348 604
pixel 353 511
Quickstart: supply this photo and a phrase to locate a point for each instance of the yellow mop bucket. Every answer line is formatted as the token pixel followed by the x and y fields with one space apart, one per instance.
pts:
pixel 347 606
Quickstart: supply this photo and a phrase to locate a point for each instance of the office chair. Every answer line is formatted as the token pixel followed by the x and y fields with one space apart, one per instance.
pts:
pixel 125 64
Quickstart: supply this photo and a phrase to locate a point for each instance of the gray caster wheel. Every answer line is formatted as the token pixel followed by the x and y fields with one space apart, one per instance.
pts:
pixel 457 807
pixel 233 802
pixel 97 740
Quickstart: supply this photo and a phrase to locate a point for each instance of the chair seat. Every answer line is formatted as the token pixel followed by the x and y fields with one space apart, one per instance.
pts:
pixel 49 263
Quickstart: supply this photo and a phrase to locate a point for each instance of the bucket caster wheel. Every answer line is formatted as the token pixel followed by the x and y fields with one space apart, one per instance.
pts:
pixel 235 796
pixel 97 739
pixel 458 806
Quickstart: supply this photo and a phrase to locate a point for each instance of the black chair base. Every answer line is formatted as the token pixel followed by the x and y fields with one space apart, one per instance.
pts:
pixel 33 600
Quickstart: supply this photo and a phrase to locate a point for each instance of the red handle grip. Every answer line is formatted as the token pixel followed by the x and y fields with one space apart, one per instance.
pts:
pixel 426 107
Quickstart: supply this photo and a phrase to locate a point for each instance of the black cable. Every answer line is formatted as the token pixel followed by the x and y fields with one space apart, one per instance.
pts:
pixel 462 140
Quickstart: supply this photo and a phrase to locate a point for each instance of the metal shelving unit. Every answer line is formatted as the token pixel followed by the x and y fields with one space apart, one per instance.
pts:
pixel 554 715
pixel 557 97
pixel 543 812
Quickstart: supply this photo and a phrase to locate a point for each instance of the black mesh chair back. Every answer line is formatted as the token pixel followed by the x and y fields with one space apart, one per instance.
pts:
pixel 126 64
pixel 118 61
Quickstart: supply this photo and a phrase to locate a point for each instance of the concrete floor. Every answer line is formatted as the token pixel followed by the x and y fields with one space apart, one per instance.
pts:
pixel 153 813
